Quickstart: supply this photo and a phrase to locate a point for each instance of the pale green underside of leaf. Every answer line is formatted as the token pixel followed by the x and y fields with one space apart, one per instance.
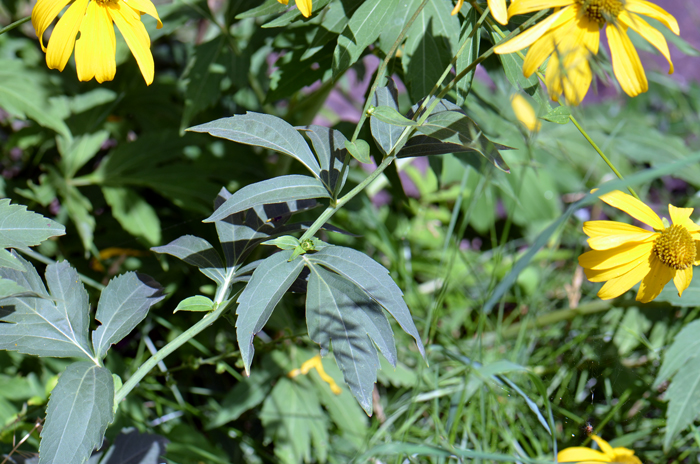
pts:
pixel 20 228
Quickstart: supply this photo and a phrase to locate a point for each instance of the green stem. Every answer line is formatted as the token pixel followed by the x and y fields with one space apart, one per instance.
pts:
pixel 15 24
pixel 180 340
pixel 601 154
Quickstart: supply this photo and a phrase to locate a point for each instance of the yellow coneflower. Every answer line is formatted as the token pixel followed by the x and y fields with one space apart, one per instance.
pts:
pixel 95 50
pixel 572 35
pixel 624 255
pixel 497 8
pixel 590 456
pixel 315 363
pixel 525 113
pixel 303 5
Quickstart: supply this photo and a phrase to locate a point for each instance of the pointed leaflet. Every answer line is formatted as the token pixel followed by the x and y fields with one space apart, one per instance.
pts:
pixel 335 18
pixel 686 346
pixel 329 145
pixel 53 326
pixel 123 304
pixel 20 228
pixel 202 79
pixel 263 130
pixel 340 313
pixel 455 127
pixel 472 37
pixel 265 289
pixel 422 145
pixel 372 278
pixel 362 30
pixel 276 190
pixel 134 213
pixel 684 400
pixel 9 260
pixel 385 135
pixel 136 448
pixel 197 252
pixel 9 288
pixel 80 408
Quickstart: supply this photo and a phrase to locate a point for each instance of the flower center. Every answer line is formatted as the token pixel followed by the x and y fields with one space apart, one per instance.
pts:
pixel 106 2
pixel 675 247
pixel 601 11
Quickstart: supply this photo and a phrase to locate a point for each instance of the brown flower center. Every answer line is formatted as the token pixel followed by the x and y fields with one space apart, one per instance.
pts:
pixel 601 11
pixel 675 247
pixel 106 2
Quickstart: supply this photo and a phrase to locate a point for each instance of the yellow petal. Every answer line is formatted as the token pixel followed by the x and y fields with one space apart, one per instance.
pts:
pixel 653 11
pixel 528 6
pixel 607 259
pixel 525 113
pixel 499 11
pixel 679 215
pixel 538 53
pixel 634 208
pixel 525 39
pixel 655 281
pixel 611 241
pixel 457 7
pixel 43 14
pixel 619 285
pixel 63 36
pixel 604 445
pixel 136 38
pixel 579 453
pixel 146 6
pixel 626 64
pixel 652 35
pixel 96 47
pixel 603 275
pixel 304 7
pixel 682 279
pixel 283 2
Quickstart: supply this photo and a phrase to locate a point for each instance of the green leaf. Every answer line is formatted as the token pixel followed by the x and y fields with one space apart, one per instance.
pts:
pixel 195 303
pixel 263 130
pixel 202 79
pixel 123 304
pixel 684 400
pixel 9 260
pixel 196 252
pixel 9 288
pixel 690 298
pixel 292 416
pixel 21 228
pixel 270 7
pixel 133 447
pixel 362 30
pixel 265 289
pixel 292 74
pixel 80 151
pixel 472 38
pixel 339 312
pixel 294 14
pixel 276 190
pixel 134 213
pixel 385 135
pixel 79 411
pixel 329 145
pixel 359 150
pixel 430 45
pixel 422 145
pixel 558 115
pixel 457 128
pixel 245 395
pixel 285 242
pixel 395 23
pixel 335 18
pixel 52 326
pixel 79 207
pixel 374 279
pixel 390 115
pixel 685 346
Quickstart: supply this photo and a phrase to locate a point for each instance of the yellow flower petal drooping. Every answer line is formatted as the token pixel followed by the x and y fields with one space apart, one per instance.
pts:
pixel 622 255
pixel 96 48
pixel 315 363
pixel 497 7
pixel 571 36
pixel 607 453
pixel 303 5
pixel 525 113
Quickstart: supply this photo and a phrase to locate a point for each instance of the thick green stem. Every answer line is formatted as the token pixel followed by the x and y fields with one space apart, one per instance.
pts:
pixel 15 24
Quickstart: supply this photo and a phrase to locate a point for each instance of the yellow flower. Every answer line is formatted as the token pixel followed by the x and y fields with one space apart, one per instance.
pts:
pixel 572 34
pixel 607 453
pixel 497 8
pixel 303 5
pixel 96 48
pixel 525 113
pixel 624 254
pixel 315 363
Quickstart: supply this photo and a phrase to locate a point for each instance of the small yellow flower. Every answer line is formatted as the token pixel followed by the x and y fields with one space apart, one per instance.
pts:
pixel 572 35
pixel 315 363
pixel 303 5
pixel 525 113
pixel 96 48
pixel 497 8
pixel 607 453
pixel 624 255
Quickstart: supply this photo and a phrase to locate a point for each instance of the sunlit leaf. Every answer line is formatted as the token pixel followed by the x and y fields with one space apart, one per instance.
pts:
pixel 20 228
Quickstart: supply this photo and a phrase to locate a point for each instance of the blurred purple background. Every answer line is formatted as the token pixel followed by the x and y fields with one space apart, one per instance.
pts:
pixel 688 15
